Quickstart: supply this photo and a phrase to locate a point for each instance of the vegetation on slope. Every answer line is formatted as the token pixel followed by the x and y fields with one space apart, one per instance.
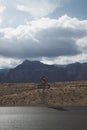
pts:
pixel 60 93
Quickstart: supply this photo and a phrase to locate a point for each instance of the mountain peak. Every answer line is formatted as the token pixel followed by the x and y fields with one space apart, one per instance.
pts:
pixel 31 62
pixel 25 62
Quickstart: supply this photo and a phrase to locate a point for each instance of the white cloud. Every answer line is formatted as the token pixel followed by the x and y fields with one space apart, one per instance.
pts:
pixel 82 43
pixel 61 40
pixel 38 8
pixel 27 31
pixel 2 8
pixel 19 11
pixel 63 60
pixel 8 62
pixel 0 20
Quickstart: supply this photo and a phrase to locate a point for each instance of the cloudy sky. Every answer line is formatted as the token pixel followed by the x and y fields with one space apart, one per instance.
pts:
pixel 51 31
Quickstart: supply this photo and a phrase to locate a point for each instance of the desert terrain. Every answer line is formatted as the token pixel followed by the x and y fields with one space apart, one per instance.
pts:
pixel 59 93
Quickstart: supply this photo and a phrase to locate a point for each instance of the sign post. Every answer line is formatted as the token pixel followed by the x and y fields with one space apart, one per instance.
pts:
pixel 43 84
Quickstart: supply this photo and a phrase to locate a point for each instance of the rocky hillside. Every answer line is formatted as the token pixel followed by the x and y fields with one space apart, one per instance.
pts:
pixel 31 71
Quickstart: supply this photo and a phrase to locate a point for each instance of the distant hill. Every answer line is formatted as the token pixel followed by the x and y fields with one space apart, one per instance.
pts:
pixel 4 71
pixel 31 71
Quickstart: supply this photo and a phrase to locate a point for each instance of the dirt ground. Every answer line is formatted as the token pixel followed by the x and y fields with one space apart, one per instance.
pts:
pixel 59 93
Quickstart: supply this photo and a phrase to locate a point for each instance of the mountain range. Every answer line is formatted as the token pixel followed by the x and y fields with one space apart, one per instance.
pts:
pixel 31 71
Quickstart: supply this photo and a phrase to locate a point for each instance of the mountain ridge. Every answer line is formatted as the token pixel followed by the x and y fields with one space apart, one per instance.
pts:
pixel 31 71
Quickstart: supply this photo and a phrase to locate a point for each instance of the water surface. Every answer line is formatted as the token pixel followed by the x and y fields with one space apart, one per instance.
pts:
pixel 43 118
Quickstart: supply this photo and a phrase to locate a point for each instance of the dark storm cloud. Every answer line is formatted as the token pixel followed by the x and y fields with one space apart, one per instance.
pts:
pixel 57 42
pixel 43 38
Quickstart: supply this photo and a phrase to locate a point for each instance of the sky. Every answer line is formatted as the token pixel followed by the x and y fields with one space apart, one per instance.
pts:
pixel 51 31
